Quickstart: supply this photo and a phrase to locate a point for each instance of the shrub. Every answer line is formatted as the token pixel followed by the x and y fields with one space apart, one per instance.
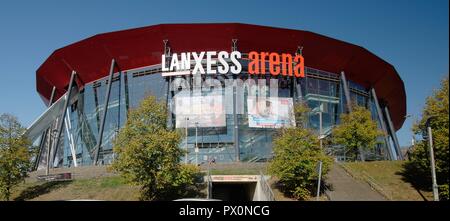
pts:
pixel 148 154
pixel 296 156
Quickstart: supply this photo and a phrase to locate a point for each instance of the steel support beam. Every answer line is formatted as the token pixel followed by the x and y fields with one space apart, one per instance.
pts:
pixel 52 96
pixel 44 134
pixel 235 116
pixel 296 84
pixel 383 125
pixel 61 119
pixel 236 125
pixel 349 106
pixel 105 111
pixel 71 141
pixel 41 148
pixel 346 92
pixel 393 134
pixel 167 53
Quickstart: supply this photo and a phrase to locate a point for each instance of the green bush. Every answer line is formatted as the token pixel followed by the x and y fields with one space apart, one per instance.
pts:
pixel 15 154
pixel 296 156
pixel 357 132
pixel 148 154
pixel 443 192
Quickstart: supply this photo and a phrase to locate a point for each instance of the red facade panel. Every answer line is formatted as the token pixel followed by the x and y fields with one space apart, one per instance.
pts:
pixel 134 48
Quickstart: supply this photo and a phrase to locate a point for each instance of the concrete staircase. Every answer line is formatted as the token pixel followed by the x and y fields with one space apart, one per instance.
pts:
pixel 343 187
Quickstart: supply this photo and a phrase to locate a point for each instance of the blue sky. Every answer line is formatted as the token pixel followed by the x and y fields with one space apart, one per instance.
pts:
pixel 410 34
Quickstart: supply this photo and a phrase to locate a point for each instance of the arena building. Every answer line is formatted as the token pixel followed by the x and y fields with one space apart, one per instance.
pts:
pixel 229 87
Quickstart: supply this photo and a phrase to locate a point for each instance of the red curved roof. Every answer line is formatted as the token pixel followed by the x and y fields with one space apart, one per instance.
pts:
pixel 91 58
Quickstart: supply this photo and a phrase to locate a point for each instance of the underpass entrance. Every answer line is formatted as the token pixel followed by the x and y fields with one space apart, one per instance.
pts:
pixel 234 191
pixel 235 187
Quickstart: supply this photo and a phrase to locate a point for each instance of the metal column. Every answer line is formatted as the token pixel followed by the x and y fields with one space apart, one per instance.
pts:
pixel 70 138
pixel 346 92
pixel 61 119
pixel 236 125
pixel 297 85
pixel 393 134
pixel 44 134
pixel 168 57
pixel 235 117
pixel 349 105
pixel 105 111
pixel 383 125
pixel 320 130
pixel 41 147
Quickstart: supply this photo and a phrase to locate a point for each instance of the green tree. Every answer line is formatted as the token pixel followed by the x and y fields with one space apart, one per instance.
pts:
pixel 14 154
pixel 148 154
pixel 296 155
pixel 357 132
pixel 437 107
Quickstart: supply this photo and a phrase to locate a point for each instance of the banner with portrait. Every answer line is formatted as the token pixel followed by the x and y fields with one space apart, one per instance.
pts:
pixel 200 111
pixel 270 112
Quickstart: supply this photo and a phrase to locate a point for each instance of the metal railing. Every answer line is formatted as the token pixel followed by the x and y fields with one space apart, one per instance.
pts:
pixel 372 183
pixel 265 187
pixel 368 179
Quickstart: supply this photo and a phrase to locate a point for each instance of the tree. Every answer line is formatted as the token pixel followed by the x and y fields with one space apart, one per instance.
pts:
pixel 148 154
pixel 14 154
pixel 436 107
pixel 357 132
pixel 296 155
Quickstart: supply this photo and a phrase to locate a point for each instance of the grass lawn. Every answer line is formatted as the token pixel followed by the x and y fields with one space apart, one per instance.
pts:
pixel 388 175
pixel 104 188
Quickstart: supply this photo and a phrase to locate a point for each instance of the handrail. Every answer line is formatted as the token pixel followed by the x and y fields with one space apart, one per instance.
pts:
pixel 265 187
pixel 371 181
pixel 254 159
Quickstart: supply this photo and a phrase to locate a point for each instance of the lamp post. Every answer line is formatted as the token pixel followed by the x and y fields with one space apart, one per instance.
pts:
pixel 186 130
pixel 432 164
pixel 196 143
pixel 320 129
pixel 319 179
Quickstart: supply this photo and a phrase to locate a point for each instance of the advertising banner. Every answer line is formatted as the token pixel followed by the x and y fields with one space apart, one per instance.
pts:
pixel 205 111
pixel 270 112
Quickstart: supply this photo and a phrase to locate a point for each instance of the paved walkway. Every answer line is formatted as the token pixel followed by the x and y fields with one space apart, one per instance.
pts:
pixel 343 187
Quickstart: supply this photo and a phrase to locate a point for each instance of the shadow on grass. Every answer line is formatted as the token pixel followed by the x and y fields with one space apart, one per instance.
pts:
pixel 282 188
pixel 313 189
pixel 416 177
pixel 195 190
pixel 37 190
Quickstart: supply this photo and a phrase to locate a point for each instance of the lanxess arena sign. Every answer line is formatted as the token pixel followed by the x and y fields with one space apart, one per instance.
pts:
pixel 223 62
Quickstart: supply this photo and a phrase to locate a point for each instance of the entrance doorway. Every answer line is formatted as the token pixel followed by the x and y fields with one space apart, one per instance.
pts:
pixel 233 191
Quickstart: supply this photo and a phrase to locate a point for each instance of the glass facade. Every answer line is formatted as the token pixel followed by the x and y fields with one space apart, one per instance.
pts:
pixel 234 139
